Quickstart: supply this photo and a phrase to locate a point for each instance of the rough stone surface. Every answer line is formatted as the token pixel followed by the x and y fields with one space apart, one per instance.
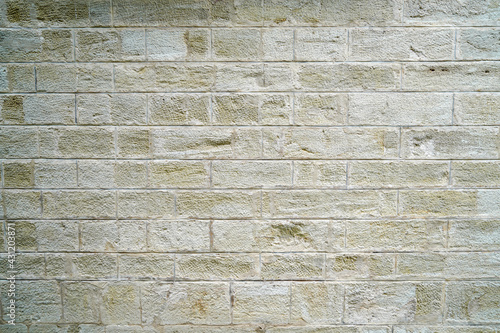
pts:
pixel 250 166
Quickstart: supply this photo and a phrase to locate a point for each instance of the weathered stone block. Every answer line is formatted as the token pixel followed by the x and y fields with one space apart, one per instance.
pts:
pixel 178 236
pixel 218 204
pixel 179 109
pixel 19 142
pixel 321 44
pixel 386 44
pixel 145 204
pixel 146 266
pixel 319 174
pixel 309 143
pixel 36 45
pixel 111 109
pixel 74 78
pixel 186 303
pixel 398 174
pixel 328 203
pixel 316 303
pixel 55 174
pixel 110 45
pixel 321 109
pixel 480 235
pixel 400 109
pixel 217 267
pixel 477 109
pixel 178 44
pixel 113 236
pixel 277 236
pixel 251 174
pixel 297 266
pixel 360 266
pixel 261 302
pixel 17 78
pixel 472 302
pixel 79 204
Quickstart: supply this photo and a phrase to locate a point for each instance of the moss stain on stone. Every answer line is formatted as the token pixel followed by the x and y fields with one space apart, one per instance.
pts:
pixel 12 109
pixel 291 231
pixel 17 12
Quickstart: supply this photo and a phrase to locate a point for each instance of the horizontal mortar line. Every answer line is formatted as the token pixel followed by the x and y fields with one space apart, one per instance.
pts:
pixel 247 91
pixel 253 253
pixel 153 159
pixel 257 26
pixel 391 218
pixel 256 126
pixel 264 219
pixel 253 61
pixel 260 92
pixel 248 188
pixel 231 61
pixel 267 281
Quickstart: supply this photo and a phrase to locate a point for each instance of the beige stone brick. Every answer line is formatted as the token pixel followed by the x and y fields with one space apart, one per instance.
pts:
pixel 296 266
pixel 146 266
pixel 448 265
pixel 160 77
pixel 82 301
pixel 408 235
pixel 261 302
pixel 55 174
pixel 133 142
pixel 27 266
pixel 360 266
pixel 74 78
pixel 316 303
pixel 17 78
pixel 179 109
pixel 348 77
pixel 276 109
pixel 236 44
pixel 111 109
pixel 35 300
pixel 392 302
pixel 46 13
pixel 235 109
pixel 454 76
pixel 94 266
pixel 206 143
pixel 479 203
pixel 328 203
pixel 248 13
pixel 145 204
pixel 482 12
pixel 475 173
pixel 79 204
pixel 321 109
pixel 178 44
pixel 281 12
pixel 217 266
pixel 478 44
pixel 472 302
pixel 398 174
pixel 186 303
pixel 36 45
pixel 178 236
pixel 251 174
pixel 165 13
pixel 18 174
pixel 278 236
pixel 110 45
pixel 309 143
pixel 113 236
pixel 184 174
pixel 19 204
pixel 479 235
pixel 386 44
pixel 77 142
pixel 346 12
pixel 319 173
pixel 121 303
pixel 277 44
pixel 57 236
pixel 477 109
pixel 450 143
pixel 400 109
pixel 321 44
pixel 218 204
pixel 19 142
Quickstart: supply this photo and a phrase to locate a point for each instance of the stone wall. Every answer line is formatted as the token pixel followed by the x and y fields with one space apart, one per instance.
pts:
pixel 250 166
